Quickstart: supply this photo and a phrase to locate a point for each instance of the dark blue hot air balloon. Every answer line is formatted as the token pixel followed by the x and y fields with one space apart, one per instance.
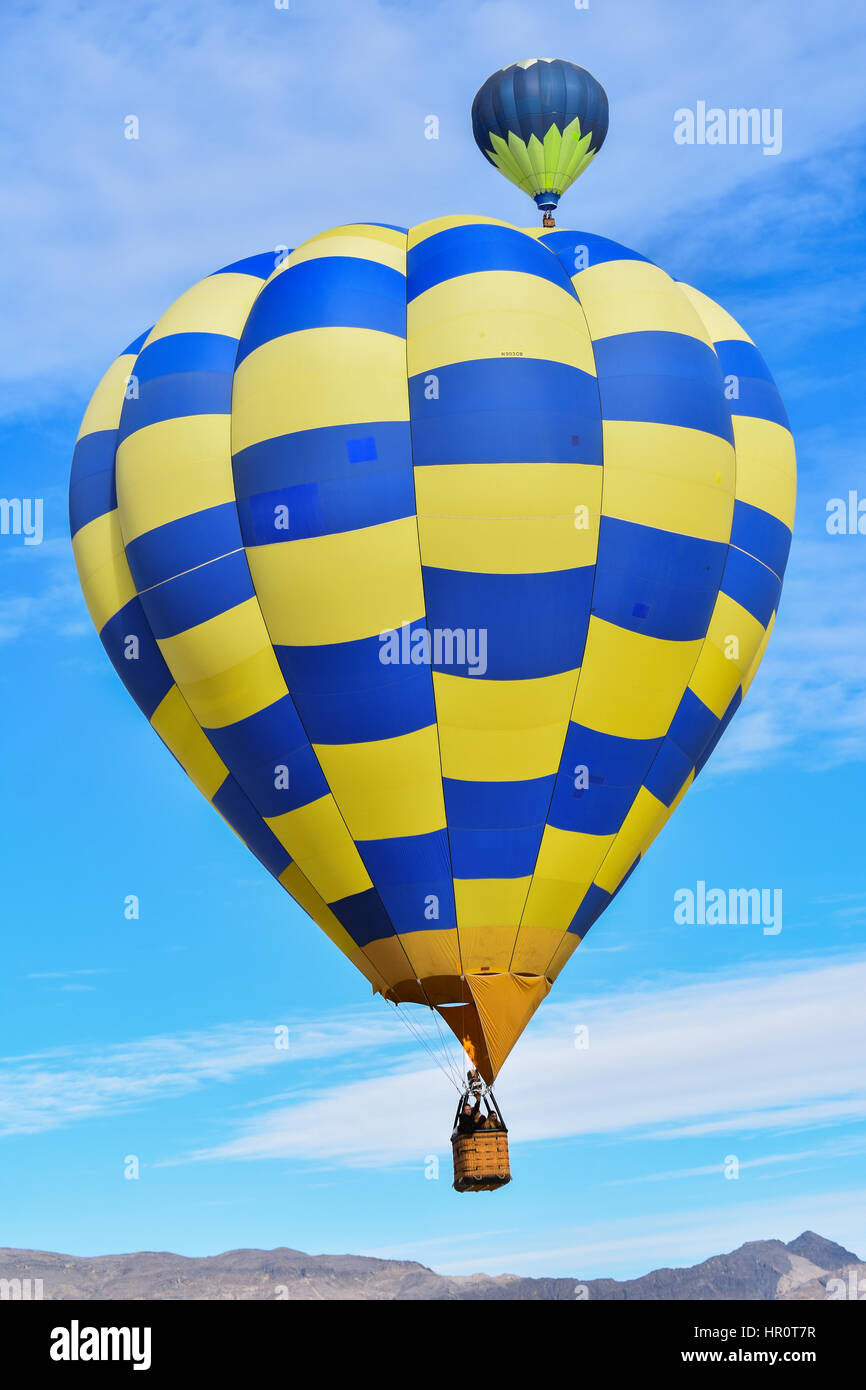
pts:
pixel 540 122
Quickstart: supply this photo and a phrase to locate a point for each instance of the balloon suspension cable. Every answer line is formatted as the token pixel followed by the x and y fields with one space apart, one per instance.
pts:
pixel 447 1042
pixel 447 1066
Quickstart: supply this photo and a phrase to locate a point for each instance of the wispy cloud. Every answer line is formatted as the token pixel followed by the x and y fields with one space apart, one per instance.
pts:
pixel 758 1052
pixel 811 690
pixel 48 602
pixel 66 974
pixel 50 1089
pixel 252 105
pixel 724 1055
pixel 837 1148
pixel 593 1249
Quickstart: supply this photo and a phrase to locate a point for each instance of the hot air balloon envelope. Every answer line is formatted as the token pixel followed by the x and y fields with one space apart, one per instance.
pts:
pixel 540 123
pixel 440 560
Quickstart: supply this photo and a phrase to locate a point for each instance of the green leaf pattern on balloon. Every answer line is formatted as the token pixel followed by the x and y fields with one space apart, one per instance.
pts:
pixel 550 166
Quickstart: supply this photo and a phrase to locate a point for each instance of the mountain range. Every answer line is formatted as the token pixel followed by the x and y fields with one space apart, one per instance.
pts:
pixel 760 1270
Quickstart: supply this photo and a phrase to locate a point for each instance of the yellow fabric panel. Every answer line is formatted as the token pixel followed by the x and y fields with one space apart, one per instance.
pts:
pixel 766 459
pixel 502 731
pixel 508 489
pixel 106 403
pixel 508 518
pixel 432 953
pixel 442 224
pixel 241 690
pixel 567 863
pixel 571 856
pixel 317 377
pixel 389 958
pixel 731 620
pixel 645 817
pixel 488 911
pixel 173 720
pixel 766 466
pixel 490 947
pixel 505 1004
pixel 630 684
pixel 102 567
pixel 218 304
pixel 759 655
pixel 496 313
pixel 366 232
pixel 562 955
pixel 551 905
pixel 307 898
pixel 173 469
pixel 97 543
pixel 714 680
pixel 388 787
pixel 656 824
pixel 670 477
pixel 537 943
pixel 362 243
pixel 718 322
pixel 316 837
pixel 717 675
pixel 215 645
pixel 343 587
pixel 225 667
pixel 510 545
pixel 635 297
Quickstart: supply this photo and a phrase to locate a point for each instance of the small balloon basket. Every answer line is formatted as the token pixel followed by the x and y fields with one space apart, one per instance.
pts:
pixel 481 1162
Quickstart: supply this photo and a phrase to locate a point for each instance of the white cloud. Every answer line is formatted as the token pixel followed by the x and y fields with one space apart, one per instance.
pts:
pixel 723 1056
pixel 50 1089
pixel 811 689
pixel 52 604
pixel 728 1053
pixel 842 1148
pixel 626 1246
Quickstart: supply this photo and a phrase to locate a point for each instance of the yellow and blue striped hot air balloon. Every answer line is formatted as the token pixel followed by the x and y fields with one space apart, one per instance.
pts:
pixel 441 559
pixel 540 123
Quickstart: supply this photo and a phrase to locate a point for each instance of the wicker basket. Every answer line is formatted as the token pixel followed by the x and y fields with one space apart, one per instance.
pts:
pixel 481 1160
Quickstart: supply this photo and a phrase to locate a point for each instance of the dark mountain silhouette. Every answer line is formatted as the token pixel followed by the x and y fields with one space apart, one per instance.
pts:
pixel 819 1251
pixel 760 1270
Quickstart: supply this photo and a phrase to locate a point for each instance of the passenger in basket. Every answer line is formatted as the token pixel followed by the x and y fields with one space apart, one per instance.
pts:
pixel 468 1118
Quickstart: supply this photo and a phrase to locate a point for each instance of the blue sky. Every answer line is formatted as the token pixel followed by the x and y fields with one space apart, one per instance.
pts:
pixel 155 1037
